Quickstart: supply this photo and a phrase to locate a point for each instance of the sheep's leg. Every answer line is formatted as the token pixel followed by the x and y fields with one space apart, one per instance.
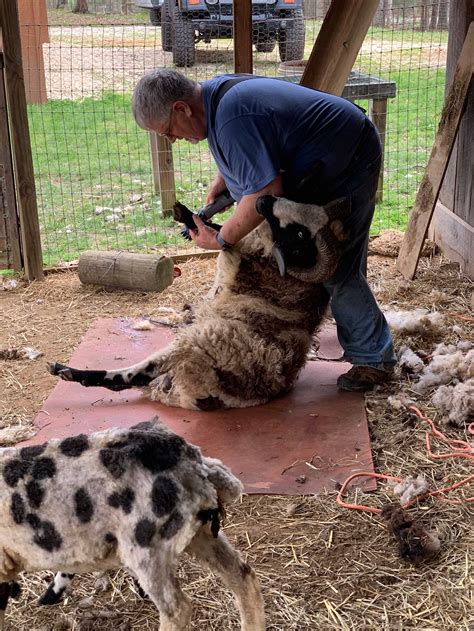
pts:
pixel 4 596
pixel 163 589
pixel 56 589
pixel 6 590
pixel 138 375
pixel 222 558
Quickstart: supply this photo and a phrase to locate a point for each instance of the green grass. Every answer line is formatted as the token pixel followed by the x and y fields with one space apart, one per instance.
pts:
pixel 89 155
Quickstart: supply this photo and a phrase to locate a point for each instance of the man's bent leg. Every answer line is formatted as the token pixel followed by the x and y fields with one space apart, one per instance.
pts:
pixel 362 329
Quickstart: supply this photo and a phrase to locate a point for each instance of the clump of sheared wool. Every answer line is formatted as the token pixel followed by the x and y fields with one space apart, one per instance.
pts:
pixel 448 364
pixel 410 488
pixel 456 403
pixel 399 401
pixel 409 361
pixel 143 325
pixel 419 321
pixel 14 434
pixel 415 543
pixel 27 352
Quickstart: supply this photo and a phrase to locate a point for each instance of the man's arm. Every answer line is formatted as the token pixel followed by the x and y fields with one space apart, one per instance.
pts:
pixel 242 221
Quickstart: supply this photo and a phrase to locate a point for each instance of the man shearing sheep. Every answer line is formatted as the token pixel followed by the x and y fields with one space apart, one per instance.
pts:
pixel 268 137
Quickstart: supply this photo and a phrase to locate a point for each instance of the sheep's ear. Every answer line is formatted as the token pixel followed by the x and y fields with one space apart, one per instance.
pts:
pixel 339 208
pixel 148 426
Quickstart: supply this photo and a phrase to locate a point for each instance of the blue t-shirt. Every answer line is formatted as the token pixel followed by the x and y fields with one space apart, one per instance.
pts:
pixel 264 126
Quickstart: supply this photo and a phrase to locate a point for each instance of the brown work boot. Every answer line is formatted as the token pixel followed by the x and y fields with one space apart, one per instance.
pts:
pixel 362 378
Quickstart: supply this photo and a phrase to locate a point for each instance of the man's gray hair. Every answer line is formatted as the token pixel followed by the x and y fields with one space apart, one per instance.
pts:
pixel 156 92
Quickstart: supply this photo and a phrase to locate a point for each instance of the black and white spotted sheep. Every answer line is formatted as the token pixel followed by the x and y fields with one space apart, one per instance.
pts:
pixel 247 344
pixel 133 498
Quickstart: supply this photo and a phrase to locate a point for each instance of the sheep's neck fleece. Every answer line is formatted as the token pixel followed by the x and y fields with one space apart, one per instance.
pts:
pixel 296 302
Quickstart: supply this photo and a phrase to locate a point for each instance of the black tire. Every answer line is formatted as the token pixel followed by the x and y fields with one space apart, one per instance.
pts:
pixel 155 17
pixel 166 30
pixel 265 46
pixel 291 40
pixel 184 48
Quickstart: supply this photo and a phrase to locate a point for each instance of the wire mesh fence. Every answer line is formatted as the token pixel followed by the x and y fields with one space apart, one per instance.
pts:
pixel 97 183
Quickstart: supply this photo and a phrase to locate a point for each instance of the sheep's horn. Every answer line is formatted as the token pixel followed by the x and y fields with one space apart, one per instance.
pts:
pixel 329 250
pixel 279 258
pixel 339 208
pixel 327 243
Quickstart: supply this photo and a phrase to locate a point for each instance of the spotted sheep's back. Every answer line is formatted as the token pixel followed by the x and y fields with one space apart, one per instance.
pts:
pixel 85 502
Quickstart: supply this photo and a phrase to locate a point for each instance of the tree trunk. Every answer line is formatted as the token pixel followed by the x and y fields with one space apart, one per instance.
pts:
pixel 425 20
pixel 379 15
pixel 310 9
pixel 81 7
pixel 60 4
pixel 443 15
pixel 434 15
pixel 383 14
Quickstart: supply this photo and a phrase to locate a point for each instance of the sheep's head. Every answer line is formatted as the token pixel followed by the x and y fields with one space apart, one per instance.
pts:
pixel 306 238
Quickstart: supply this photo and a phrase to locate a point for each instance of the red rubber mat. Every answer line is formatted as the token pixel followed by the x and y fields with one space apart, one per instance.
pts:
pixel 303 443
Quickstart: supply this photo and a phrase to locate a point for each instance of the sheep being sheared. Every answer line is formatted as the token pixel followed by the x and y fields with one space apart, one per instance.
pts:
pixel 133 498
pixel 249 342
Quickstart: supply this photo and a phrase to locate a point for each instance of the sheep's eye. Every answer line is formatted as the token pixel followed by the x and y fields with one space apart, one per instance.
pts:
pixel 300 235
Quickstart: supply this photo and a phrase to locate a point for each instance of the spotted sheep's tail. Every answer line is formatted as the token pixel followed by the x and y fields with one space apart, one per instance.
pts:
pixel 228 487
pixel 138 375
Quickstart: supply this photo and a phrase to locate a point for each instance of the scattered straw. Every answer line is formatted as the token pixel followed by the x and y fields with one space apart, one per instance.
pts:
pixel 320 566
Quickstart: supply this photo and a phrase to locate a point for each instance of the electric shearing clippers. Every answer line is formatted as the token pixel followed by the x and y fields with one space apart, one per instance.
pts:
pixel 182 214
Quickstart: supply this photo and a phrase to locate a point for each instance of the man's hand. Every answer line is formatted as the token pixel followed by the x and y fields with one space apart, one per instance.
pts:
pixel 204 236
pixel 217 187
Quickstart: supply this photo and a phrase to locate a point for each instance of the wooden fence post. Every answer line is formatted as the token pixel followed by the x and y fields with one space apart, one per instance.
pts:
pixel 338 43
pixel 163 172
pixel 23 160
pixel 33 19
pixel 243 54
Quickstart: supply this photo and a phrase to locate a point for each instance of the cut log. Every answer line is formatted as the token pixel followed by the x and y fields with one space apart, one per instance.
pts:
pixel 126 270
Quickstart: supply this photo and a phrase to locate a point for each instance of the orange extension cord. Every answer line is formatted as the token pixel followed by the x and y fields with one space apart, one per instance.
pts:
pixel 462 449
pixel 452 314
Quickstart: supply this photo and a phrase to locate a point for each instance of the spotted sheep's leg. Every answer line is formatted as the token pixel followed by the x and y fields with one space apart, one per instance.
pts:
pixel 239 577
pixel 56 589
pixel 8 590
pixel 158 580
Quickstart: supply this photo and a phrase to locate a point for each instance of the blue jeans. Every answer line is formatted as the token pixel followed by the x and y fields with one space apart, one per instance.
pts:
pixel 362 329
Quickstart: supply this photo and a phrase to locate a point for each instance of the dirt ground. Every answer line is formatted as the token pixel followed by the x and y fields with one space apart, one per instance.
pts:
pixel 320 566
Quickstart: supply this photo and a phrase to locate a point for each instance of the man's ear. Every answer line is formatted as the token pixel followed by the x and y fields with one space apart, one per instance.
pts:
pixel 183 107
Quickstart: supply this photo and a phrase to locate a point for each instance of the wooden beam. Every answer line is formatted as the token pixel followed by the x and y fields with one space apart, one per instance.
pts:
pixel 243 53
pixel 428 192
pixel 163 172
pixel 378 115
pixel 338 43
pixel 456 192
pixel 7 184
pixel 23 160
pixel 455 237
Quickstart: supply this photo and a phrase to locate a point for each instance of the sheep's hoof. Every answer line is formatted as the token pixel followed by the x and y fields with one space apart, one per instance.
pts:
pixel 54 368
pixel 60 370
pixel 66 374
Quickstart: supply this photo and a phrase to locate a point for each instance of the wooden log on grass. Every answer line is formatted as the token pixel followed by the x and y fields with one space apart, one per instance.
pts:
pixel 126 270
